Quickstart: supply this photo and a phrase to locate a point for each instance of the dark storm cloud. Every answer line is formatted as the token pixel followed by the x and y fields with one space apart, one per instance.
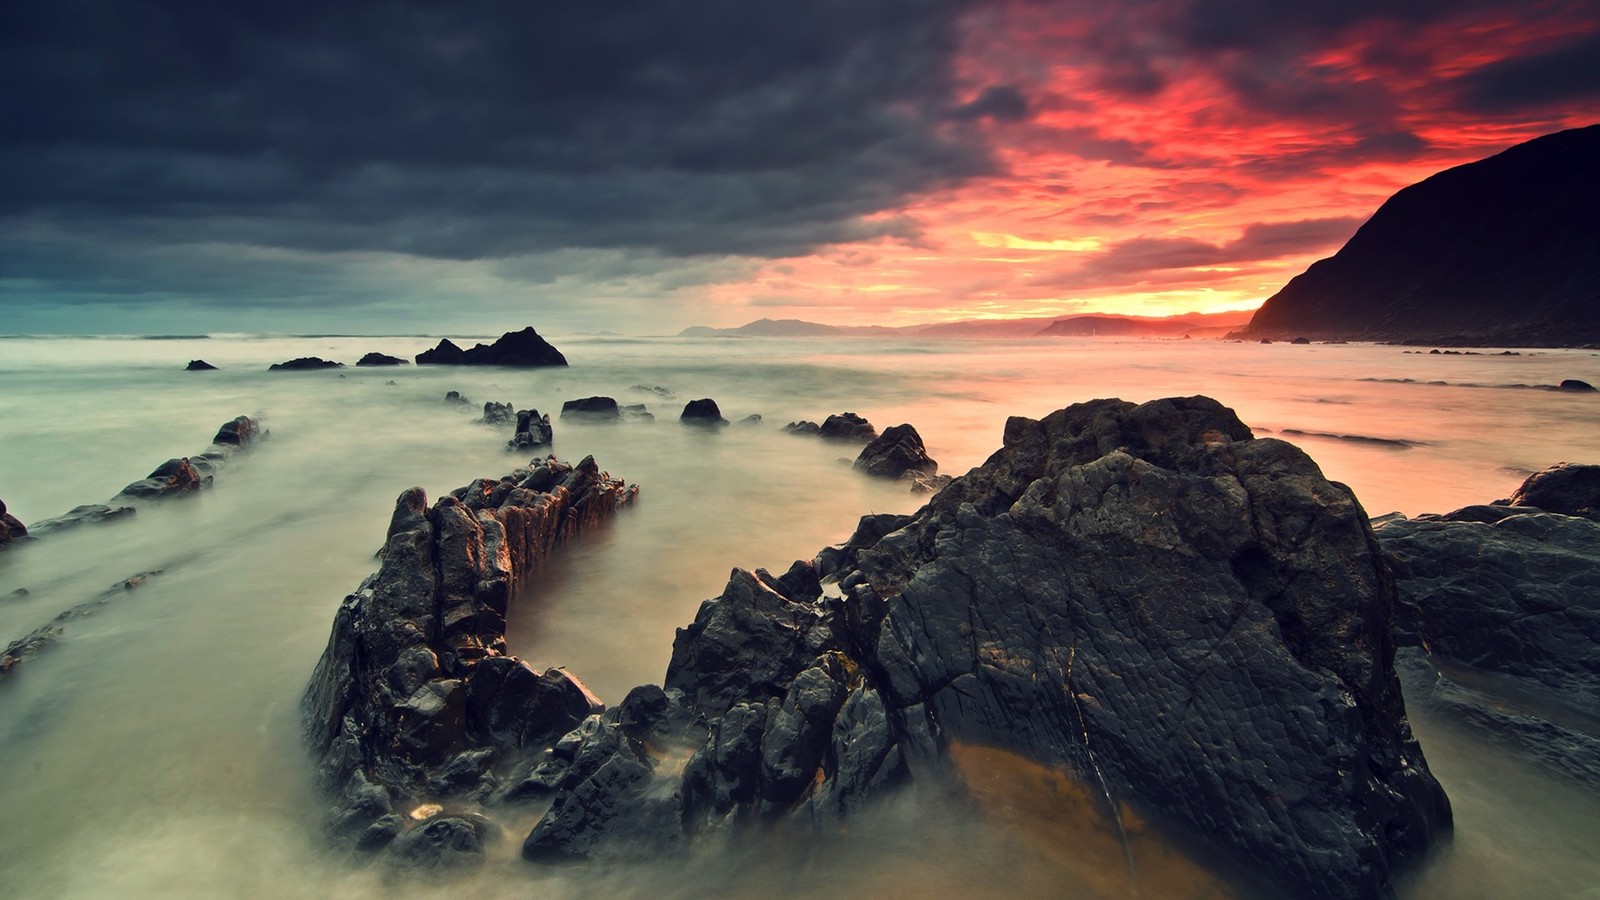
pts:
pixel 1137 259
pixel 1567 73
pixel 484 129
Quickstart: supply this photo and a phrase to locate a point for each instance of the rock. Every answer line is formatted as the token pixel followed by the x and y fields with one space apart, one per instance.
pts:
pixel 522 349
pixel 1514 596
pixel 498 413
pixel 752 419
pixel 657 390
pixel 455 398
pixel 445 354
pixel 25 648
pixel 415 694
pixel 803 428
pixel 1193 621
pixel 442 841
pixel 11 528
pixel 923 483
pixel 636 412
pixel 1576 386
pixel 596 409
pixel 533 430
pixel 199 365
pixel 1266 340
pixel 380 359
pixel 305 363
pixel 174 477
pixel 1566 488
pixel 897 452
pixel 847 427
pixel 88 514
pixel 1301 340
pixel 240 431
pixel 702 412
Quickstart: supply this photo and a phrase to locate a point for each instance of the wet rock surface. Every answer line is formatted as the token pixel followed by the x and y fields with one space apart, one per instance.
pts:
pixel 897 452
pixel 1565 488
pixel 533 430
pixel 188 475
pixel 305 364
pixel 415 700
pixel 1192 621
pixel 520 349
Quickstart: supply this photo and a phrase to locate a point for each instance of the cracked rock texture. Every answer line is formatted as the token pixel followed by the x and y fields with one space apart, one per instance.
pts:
pixel 1190 620
pixel 415 700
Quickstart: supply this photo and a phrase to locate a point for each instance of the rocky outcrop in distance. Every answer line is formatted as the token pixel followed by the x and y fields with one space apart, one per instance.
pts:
pixel 11 528
pixel 199 365
pixel 702 412
pixel 498 413
pixel 591 408
pixel 1189 620
pixel 1500 252
pixel 381 359
pixel 847 427
pixel 305 364
pixel 897 452
pixel 414 698
pixel 521 349
pixel 178 477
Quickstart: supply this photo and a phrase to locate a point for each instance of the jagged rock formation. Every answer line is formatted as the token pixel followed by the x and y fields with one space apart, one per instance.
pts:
pixel 305 363
pixel 896 453
pixel 456 398
pixel 595 409
pixel 380 359
pixel 415 698
pixel 29 645
pixel 523 349
pixel 179 477
pixel 702 412
pixel 1505 250
pixel 498 413
pixel 1190 620
pixel 199 365
pixel 804 427
pixel 533 430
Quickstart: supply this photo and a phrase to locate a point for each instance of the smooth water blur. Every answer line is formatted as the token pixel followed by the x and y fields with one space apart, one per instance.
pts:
pixel 155 751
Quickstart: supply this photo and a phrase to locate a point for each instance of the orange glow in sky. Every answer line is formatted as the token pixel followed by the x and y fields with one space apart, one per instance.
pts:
pixel 1148 182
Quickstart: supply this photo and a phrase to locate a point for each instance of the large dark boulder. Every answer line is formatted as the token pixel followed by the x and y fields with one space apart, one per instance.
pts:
pixel 532 431
pixel 199 365
pixel 594 409
pixel 1193 621
pixel 898 451
pixel 414 697
pixel 305 364
pixel 702 412
pixel 1513 596
pixel 380 359
pixel 847 427
pixel 1565 488
pixel 498 413
pixel 173 478
pixel 521 349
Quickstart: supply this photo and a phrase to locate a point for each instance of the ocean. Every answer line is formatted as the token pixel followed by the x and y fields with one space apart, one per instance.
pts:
pixel 154 750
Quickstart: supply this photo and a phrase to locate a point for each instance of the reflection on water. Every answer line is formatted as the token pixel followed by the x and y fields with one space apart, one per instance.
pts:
pixel 155 749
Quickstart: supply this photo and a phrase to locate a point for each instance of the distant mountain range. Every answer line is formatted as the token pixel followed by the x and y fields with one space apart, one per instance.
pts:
pixel 1102 325
pixel 1503 251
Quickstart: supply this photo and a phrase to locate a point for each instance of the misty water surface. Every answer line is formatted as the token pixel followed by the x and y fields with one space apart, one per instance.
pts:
pixel 154 751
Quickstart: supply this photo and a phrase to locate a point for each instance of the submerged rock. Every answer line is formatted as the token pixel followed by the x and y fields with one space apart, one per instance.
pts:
pixel 87 514
pixel 1190 620
pixel 895 453
pixel 456 398
pixel 1576 386
pixel 380 359
pixel 533 430
pixel 702 412
pixel 305 363
pixel 522 349
pixel 199 365
pixel 591 408
pixel 188 475
pixel 803 427
pixel 415 696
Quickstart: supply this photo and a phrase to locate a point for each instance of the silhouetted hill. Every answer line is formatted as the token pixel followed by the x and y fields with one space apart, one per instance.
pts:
pixel 1195 325
pixel 1505 250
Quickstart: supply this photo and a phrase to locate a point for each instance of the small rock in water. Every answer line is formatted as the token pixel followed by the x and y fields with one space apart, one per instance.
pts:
pixel 897 452
pixel 380 359
pixel 752 419
pixel 847 427
pixel 702 412
pixel 11 528
pixel 803 427
pixel 199 365
pixel 498 413
pixel 597 409
pixel 1576 386
pixel 456 398
pixel 305 363
pixel 533 430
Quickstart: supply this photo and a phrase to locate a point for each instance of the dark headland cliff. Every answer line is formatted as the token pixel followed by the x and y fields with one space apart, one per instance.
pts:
pixel 1503 251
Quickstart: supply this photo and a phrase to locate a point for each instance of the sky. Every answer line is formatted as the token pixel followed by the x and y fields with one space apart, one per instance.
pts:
pixel 474 167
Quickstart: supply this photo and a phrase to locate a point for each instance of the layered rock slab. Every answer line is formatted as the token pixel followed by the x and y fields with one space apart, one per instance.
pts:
pixel 1190 620
pixel 415 698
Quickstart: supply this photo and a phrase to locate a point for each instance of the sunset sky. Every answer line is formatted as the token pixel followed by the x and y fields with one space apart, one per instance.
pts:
pixel 643 166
